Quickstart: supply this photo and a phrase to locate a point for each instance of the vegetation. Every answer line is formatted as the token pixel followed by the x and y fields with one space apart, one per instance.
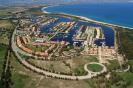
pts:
pixel 67 48
pixel 3 49
pixel 130 62
pixel 80 71
pixel 5 38
pixel 116 80
pixel 19 80
pixel 127 77
pixel 5 24
pixel 91 58
pixel 113 65
pixel 7 11
pixel 94 67
pixel 20 76
pixel 3 13
pixel 6 28
pixel 75 19
pixel 95 33
pixel 125 42
pixel 36 10
pixel 37 48
pixel 6 81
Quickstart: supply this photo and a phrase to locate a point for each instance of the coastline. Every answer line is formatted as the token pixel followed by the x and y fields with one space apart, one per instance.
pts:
pixel 104 23
pixel 85 18
pixel 44 11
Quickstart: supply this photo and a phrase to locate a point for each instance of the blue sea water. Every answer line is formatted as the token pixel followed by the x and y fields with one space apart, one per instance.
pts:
pixel 119 14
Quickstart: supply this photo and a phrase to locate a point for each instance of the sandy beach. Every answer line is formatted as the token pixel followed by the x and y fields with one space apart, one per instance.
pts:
pixel 44 11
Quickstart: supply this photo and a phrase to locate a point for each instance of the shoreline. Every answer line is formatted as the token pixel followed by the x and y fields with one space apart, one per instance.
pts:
pixel 84 18
pixel 100 22
pixel 44 11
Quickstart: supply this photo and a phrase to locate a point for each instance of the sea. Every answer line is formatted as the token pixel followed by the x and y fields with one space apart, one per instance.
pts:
pixel 114 13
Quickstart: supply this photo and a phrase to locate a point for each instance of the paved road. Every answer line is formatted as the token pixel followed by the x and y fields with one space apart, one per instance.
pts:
pixel 100 55
pixel 38 70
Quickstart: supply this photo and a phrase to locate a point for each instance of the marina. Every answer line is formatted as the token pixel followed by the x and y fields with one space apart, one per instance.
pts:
pixel 68 36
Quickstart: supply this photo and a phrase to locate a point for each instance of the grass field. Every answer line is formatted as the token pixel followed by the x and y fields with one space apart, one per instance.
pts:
pixel 7 11
pixel 19 80
pixel 23 78
pixel 75 65
pixel 130 62
pixel 4 13
pixel 5 24
pixel 91 58
pixel 5 38
pixel 36 11
pixel 20 75
pixel 80 71
pixel 127 77
pixel 94 67
pixel 113 64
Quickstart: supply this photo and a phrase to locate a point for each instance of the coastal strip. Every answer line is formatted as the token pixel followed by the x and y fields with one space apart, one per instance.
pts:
pixel 83 18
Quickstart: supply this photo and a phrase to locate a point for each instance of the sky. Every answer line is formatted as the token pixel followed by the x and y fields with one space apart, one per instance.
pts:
pixel 10 2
